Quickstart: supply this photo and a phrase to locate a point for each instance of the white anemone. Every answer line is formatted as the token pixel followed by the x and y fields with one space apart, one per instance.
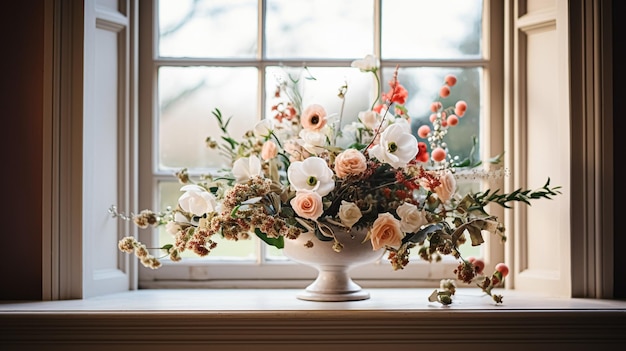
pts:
pixel 246 167
pixel 312 174
pixel 395 147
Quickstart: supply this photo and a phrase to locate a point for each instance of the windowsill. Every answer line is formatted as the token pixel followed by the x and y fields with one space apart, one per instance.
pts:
pixel 241 317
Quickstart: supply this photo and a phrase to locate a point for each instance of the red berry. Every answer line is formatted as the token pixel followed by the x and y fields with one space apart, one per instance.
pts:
pixel 450 79
pixel 438 154
pixel 435 106
pixel 503 269
pixel 479 265
pixel 445 91
pixel 423 131
pixel 453 120
pixel 461 105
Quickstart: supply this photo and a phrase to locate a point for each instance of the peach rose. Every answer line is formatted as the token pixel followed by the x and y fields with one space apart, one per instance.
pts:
pixel 386 232
pixel 307 204
pixel 296 151
pixel 313 117
pixel 447 187
pixel 269 150
pixel 350 161
pixel 370 119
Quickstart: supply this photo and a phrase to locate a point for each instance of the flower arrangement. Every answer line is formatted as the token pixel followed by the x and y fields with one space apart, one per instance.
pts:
pixel 289 176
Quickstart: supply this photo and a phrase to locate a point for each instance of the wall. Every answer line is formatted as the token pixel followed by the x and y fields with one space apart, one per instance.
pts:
pixel 21 92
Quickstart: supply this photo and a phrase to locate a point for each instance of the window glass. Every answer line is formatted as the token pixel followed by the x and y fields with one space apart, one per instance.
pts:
pixel 327 36
pixel 321 85
pixel 187 97
pixel 425 29
pixel 207 28
pixel 319 28
pixel 424 83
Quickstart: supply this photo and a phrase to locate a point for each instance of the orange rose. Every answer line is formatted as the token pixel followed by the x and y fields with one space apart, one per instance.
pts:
pixel 313 118
pixel 386 232
pixel 351 161
pixel 307 204
pixel 269 150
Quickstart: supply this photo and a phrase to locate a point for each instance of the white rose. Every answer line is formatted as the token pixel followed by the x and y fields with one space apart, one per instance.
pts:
pixel 411 218
pixel 197 200
pixel 349 213
pixel 172 228
pixel 313 141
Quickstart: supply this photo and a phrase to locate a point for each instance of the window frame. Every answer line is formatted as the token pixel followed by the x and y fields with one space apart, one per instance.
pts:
pixel 194 273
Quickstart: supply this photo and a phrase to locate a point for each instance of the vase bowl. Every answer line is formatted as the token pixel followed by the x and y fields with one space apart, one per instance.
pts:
pixel 333 282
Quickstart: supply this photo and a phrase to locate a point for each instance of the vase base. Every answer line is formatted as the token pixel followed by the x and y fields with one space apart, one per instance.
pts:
pixel 333 297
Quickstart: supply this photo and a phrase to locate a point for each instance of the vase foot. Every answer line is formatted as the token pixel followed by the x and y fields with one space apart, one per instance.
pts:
pixel 333 297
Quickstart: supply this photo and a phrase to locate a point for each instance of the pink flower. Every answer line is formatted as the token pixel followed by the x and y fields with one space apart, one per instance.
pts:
pixel 386 232
pixel 350 162
pixel 269 150
pixel 447 187
pixel 313 117
pixel 307 204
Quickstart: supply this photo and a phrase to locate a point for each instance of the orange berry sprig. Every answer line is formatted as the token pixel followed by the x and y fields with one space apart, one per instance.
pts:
pixel 441 119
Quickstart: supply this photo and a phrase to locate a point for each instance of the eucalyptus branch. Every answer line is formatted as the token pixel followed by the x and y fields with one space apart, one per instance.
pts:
pixel 481 199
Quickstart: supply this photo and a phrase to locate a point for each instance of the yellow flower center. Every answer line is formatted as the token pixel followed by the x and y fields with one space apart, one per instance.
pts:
pixel 311 181
pixel 392 147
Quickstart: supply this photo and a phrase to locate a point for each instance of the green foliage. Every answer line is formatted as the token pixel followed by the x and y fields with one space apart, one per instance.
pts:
pixel 481 199
pixel 278 243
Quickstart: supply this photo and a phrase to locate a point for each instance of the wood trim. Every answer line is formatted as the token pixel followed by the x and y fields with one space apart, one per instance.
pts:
pixel 592 171
pixel 315 330
pixel 273 319
pixel 65 190
pixel 49 232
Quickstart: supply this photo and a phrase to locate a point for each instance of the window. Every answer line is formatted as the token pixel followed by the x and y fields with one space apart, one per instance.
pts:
pixel 72 261
pixel 200 55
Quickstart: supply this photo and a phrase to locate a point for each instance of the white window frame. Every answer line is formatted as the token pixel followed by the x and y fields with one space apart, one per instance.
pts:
pixel 190 273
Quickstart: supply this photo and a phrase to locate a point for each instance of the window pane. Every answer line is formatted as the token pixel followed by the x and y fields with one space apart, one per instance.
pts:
pixel 169 192
pixel 431 29
pixel 208 28
pixel 319 28
pixel 423 85
pixel 320 85
pixel 187 95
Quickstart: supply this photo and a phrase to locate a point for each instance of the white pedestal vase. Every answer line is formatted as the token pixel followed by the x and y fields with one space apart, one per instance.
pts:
pixel 333 282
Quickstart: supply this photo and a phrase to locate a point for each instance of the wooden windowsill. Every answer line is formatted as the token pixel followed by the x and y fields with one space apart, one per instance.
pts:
pixel 276 319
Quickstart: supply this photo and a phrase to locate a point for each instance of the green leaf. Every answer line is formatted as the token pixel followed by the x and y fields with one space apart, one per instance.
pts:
pixel 278 243
pixel 167 247
pixel 323 236
pixel 423 233
pixel 233 143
